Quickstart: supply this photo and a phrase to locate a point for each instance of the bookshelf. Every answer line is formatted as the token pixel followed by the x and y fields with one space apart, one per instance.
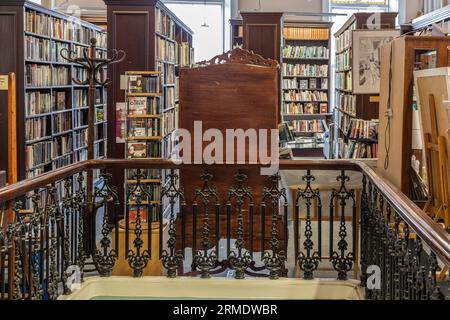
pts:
pixel 237 33
pixel 166 45
pixel 355 115
pixel 306 84
pixel 51 108
pixel 144 129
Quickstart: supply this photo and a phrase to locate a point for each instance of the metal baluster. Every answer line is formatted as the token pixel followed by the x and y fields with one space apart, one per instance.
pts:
pixel 308 262
pixel 241 259
pixel 274 260
pixel 203 260
pixel 138 259
pixel 172 259
pixel 343 261
pixel 434 289
pixel 105 259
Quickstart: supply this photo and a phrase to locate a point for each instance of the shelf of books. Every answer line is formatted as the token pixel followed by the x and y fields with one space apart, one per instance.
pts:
pixel 144 139
pixel 237 33
pixel 354 111
pixel 305 84
pixel 52 111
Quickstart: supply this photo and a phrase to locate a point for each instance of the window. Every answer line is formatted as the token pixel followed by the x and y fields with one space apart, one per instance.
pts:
pixel 206 21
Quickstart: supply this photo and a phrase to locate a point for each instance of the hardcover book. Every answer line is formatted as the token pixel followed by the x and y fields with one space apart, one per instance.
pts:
pixel 137 106
pixel 137 150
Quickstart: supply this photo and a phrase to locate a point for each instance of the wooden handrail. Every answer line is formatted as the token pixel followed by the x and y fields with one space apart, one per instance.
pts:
pixel 430 232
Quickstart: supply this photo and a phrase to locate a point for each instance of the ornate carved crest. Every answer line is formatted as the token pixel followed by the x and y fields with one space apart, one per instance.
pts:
pixel 240 56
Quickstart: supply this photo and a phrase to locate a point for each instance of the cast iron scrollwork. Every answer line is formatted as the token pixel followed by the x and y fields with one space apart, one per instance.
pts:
pixel 308 262
pixel 137 259
pixel 80 207
pixel 341 261
pixel 275 259
pixel 203 260
pixel 172 260
pixel 105 259
pixel 240 259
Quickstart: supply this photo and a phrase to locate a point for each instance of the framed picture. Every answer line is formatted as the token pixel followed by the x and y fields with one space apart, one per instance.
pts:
pixel 366 58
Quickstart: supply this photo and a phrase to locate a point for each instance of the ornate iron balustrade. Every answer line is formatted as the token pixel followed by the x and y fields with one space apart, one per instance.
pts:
pixel 45 226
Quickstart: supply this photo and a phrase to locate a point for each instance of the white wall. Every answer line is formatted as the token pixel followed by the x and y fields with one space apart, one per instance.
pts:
pixel 314 6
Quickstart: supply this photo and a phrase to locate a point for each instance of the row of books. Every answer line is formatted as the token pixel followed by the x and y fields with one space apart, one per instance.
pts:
pixel 184 55
pixel 38 154
pixel 143 84
pixel 81 98
pixel 346 102
pixel 62 162
pixel 344 60
pixel 81 118
pixel 363 129
pixel 80 74
pixel 164 24
pixel 305 84
pixel 165 50
pixel 305 70
pixel 37 22
pixel 37 49
pixel 293 33
pixel 169 73
pixel 80 139
pixel 35 172
pixel 61 29
pixel 80 155
pixel 62 145
pixel 62 122
pixel 144 128
pixel 139 150
pixel 170 121
pixel 37 103
pixel 304 108
pixel 44 75
pixel 309 126
pixel 141 106
pixel 344 81
pixel 37 128
pixel 305 52
pixel 43 24
pixel 344 40
pixel 358 150
pixel 169 97
pixel 308 96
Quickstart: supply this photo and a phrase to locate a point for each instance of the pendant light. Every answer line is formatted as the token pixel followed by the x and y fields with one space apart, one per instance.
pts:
pixel 204 24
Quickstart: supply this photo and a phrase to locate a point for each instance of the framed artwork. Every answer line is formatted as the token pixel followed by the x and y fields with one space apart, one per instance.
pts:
pixel 367 59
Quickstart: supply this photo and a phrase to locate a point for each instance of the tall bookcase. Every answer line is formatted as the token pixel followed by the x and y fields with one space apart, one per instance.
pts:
pixel 306 84
pixel 51 109
pixel 355 113
pixel 165 45
pixel 144 139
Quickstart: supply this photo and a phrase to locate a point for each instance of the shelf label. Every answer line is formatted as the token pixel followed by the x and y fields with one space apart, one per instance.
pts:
pixel 374 99
pixel 4 83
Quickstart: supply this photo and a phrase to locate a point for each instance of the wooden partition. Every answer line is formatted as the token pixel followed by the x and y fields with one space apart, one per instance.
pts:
pixel 238 90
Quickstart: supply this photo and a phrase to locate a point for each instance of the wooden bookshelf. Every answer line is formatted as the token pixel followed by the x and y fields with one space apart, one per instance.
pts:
pixel 144 130
pixel 47 98
pixel 352 109
pixel 306 84
pixel 152 25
